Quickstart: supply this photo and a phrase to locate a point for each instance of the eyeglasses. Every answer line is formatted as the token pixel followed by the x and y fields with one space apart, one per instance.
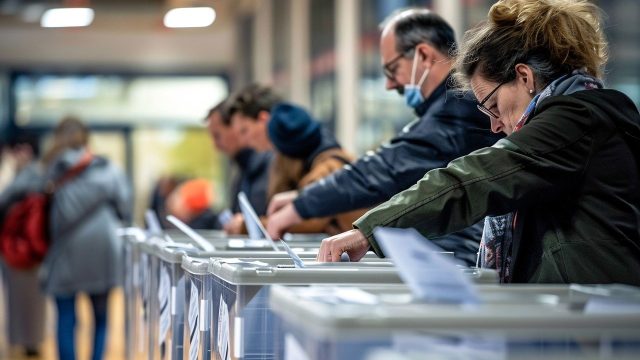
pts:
pixel 389 69
pixel 483 108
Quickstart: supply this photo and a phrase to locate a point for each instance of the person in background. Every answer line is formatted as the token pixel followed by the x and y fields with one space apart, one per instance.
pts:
pixel 159 195
pixel 85 253
pixel 248 114
pixel 564 185
pixel 191 202
pixel 305 152
pixel 252 176
pixel 415 50
pixel 25 301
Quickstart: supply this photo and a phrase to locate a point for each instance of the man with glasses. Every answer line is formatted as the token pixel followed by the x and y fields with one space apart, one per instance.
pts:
pixel 415 49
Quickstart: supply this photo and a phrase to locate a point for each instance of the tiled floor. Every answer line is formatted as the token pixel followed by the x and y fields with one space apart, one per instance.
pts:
pixel 84 332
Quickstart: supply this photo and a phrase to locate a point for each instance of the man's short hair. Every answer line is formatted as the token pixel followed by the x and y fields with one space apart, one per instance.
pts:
pixel 253 99
pixel 413 26
pixel 221 108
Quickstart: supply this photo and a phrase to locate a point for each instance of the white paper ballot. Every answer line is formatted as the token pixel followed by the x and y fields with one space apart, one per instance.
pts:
pixel 252 221
pixel 430 275
pixel 297 261
pixel 164 293
pixel 223 330
pixel 199 240
pixel 194 328
pixel 225 216
pixel 153 223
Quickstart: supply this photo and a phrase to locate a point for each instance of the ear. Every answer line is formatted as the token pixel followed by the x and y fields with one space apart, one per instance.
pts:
pixel 263 117
pixel 525 77
pixel 425 53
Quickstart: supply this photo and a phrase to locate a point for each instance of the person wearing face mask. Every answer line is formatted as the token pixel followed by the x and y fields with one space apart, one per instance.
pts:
pixel 415 46
pixel 565 181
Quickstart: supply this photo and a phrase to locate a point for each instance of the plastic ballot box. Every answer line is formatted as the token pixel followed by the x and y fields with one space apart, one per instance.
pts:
pixel 163 299
pixel 240 323
pixel 509 322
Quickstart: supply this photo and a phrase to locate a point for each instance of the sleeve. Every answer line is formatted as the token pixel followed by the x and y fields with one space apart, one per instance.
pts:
pixel 535 165
pixel 378 175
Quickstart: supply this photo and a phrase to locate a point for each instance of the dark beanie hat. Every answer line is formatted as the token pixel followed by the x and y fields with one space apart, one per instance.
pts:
pixel 292 130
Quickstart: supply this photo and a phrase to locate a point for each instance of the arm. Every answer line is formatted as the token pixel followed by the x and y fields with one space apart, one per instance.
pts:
pixel 538 164
pixel 378 175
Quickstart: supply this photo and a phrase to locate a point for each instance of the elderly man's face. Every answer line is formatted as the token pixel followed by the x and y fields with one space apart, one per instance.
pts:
pixel 396 67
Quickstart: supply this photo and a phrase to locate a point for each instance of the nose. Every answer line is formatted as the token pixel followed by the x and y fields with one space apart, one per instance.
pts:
pixel 496 125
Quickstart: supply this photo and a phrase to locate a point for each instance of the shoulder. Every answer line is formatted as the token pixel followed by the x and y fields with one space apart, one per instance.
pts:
pixel 565 119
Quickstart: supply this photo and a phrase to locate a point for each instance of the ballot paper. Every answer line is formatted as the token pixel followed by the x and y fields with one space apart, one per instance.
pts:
pixel 252 221
pixel 192 234
pixel 223 330
pixel 153 223
pixel 225 216
pixel 194 328
pixel 430 275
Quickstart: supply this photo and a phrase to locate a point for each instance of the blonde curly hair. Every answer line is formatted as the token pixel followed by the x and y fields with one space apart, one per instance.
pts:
pixel 553 37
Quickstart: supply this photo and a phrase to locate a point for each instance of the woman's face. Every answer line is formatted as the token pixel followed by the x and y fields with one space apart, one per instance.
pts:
pixel 506 104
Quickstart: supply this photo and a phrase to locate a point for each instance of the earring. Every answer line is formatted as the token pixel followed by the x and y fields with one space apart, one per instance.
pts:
pixel 530 91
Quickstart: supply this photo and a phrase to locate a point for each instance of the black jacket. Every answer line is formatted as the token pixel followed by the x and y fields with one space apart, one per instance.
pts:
pixel 449 126
pixel 571 174
pixel 253 179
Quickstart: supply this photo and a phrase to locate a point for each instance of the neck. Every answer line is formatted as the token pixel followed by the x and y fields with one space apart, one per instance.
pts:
pixel 439 71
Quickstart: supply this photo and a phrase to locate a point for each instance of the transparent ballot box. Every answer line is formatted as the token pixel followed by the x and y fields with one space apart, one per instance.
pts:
pixel 163 292
pixel 510 322
pixel 131 240
pixel 241 324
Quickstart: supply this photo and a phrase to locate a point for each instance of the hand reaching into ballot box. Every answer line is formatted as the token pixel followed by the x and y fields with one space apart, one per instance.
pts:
pixel 280 200
pixel 353 242
pixel 282 220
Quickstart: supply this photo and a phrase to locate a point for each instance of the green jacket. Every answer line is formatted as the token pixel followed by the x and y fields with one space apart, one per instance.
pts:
pixel 572 175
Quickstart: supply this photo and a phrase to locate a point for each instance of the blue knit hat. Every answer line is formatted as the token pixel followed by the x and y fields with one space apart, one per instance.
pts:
pixel 292 130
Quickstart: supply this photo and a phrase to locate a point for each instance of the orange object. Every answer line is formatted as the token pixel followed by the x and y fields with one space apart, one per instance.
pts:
pixel 197 194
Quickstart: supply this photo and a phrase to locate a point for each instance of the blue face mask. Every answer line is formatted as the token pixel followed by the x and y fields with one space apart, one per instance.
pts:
pixel 412 91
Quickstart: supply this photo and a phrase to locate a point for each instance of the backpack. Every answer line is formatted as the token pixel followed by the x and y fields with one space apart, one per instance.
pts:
pixel 24 235
pixel 24 240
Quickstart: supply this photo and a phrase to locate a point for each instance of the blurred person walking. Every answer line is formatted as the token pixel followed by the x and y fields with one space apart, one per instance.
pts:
pixel 25 303
pixel 84 255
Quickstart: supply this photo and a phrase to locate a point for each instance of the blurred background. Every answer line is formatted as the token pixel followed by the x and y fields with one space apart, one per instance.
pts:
pixel 144 87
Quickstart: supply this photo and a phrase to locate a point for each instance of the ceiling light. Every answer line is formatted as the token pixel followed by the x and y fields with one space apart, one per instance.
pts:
pixel 189 17
pixel 67 17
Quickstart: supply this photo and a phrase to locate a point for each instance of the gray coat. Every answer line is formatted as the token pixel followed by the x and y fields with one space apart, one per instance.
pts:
pixel 85 254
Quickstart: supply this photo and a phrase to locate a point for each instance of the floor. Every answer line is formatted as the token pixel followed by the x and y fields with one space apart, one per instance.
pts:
pixel 84 332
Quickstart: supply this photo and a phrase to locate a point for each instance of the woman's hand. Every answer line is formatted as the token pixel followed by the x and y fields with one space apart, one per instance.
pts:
pixel 353 242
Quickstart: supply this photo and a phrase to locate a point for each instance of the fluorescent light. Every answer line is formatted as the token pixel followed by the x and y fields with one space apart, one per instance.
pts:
pixel 67 17
pixel 189 17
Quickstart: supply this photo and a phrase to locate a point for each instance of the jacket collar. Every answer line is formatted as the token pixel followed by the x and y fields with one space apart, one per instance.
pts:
pixel 437 92
pixel 243 157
